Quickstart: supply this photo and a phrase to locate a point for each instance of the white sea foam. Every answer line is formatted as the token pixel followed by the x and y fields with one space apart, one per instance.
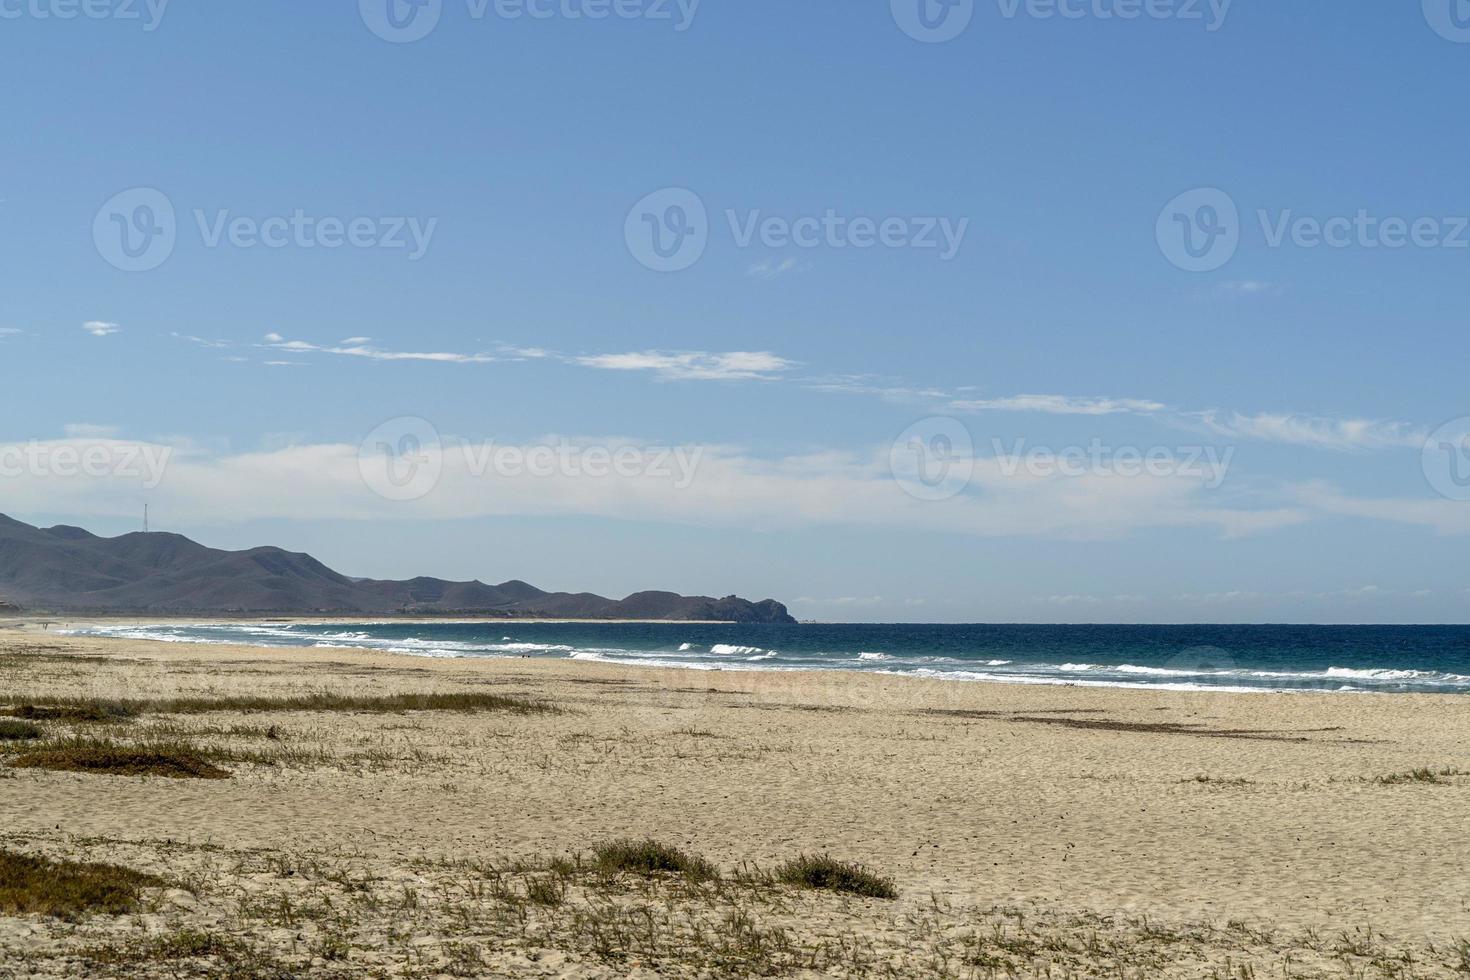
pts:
pixel 723 656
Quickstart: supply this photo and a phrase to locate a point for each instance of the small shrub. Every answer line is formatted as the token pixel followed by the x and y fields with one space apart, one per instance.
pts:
pixel 66 889
pixel 649 857
pixel 827 874
pixel 548 890
pixel 1423 775
pixel 18 731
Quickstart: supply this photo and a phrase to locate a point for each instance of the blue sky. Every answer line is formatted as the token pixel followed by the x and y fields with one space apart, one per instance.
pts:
pixel 527 152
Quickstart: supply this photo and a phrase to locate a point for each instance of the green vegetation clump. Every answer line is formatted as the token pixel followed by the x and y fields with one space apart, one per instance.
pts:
pixel 18 731
pixel 827 874
pixel 65 889
pixel 170 760
pixel 1422 775
pixel 98 710
pixel 76 711
pixel 649 857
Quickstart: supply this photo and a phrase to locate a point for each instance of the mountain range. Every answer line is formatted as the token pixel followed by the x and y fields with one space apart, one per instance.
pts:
pixel 68 569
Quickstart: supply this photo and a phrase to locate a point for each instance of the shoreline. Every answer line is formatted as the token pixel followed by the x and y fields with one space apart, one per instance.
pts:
pixel 635 659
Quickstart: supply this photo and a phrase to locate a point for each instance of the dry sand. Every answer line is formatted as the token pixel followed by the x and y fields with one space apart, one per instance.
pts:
pixel 1042 831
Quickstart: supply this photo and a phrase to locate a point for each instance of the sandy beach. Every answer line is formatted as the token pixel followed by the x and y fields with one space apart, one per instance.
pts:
pixel 1042 831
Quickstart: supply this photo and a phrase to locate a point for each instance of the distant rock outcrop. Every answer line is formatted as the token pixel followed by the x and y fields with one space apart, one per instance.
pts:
pixel 69 569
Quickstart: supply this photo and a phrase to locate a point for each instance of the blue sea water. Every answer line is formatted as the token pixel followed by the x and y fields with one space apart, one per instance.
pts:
pixel 1388 659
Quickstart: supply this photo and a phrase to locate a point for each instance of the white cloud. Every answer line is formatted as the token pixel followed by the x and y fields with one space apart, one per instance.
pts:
pixel 769 269
pixel 729 489
pixel 9 332
pixel 358 347
pixel 1060 405
pixel 201 341
pixel 1249 287
pixel 1313 431
pixel 100 328
pixel 694 365
pixel 83 430
pixel 1443 516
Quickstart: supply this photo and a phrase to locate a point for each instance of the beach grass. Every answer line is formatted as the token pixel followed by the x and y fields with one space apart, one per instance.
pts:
pixel 18 731
pixel 171 760
pixel 649 857
pixel 97 710
pixel 824 873
pixel 65 889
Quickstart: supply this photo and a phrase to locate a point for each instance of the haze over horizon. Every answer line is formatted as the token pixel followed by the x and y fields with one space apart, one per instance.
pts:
pixel 1088 332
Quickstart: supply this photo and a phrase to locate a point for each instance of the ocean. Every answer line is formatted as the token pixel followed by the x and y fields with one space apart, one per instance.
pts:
pixel 1343 659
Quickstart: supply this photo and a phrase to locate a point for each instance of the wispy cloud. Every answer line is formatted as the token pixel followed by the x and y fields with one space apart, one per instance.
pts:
pixel 86 430
pixel 1314 431
pixel 770 269
pixel 201 341
pixel 100 328
pixel 694 365
pixel 1059 405
pixel 1449 517
pixel 669 365
pixel 359 347
pixel 1318 432
pixel 1248 287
